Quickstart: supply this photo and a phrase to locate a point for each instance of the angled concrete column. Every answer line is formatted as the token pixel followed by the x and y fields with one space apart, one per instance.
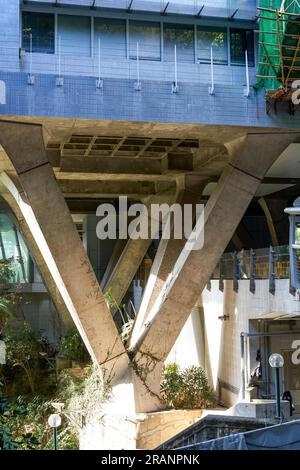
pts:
pixel 133 253
pixel 251 157
pixel 63 312
pixel 116 254
pixel 167 254
pixel 47 215
pixel 278 222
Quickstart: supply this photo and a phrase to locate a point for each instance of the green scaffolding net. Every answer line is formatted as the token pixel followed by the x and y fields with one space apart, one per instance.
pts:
pixel 279 46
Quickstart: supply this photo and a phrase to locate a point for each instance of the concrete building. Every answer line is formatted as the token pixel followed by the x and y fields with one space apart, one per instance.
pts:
pixel 152 100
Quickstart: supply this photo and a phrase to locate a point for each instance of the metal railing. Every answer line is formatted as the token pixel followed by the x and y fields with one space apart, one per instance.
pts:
pixel 265 263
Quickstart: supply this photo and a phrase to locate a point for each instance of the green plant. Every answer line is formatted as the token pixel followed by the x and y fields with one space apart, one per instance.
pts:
pixel 127 321
pixel 187 388
pixel 72 347
pixel 7 297
pixel 6 440
pixel 23 348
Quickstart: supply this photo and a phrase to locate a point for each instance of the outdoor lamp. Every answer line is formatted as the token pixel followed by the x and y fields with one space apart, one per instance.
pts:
pixel 276 361
pixel 54 422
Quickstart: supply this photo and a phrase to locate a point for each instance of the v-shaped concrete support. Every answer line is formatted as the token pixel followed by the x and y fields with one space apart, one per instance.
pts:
pixel 47 215
pixel 251 157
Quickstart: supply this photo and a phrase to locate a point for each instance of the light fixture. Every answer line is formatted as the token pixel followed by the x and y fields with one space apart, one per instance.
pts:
pixel 276 361
pixel 54 422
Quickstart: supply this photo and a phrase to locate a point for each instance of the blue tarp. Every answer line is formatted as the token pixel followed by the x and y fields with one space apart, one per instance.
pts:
pixel 284 436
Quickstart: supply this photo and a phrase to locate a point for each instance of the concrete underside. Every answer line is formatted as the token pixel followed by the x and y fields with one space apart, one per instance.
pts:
pixel 50 166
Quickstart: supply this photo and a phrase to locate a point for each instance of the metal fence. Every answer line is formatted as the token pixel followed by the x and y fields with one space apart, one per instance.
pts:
pixel 266 263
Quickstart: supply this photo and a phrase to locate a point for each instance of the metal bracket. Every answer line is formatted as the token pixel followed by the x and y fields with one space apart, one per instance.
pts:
pixel 138 85
pixel 175 87
pixel 60 81
pixel 31 79
pixel 99 83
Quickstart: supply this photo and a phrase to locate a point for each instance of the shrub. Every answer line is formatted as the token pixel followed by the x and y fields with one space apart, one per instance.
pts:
pixel 23 348
pixel 72 347
pixel 187 388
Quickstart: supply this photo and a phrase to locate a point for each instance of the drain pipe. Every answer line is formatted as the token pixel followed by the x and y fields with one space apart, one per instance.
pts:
pixel 243 387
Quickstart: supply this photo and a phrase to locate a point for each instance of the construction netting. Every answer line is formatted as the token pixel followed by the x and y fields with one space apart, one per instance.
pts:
pixel 279 46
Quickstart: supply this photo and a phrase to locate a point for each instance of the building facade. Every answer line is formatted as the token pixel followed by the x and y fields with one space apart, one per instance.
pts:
pixel 156 101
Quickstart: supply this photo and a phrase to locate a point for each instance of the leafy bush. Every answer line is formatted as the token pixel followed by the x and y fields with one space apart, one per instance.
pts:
pixel 6 440
pixel 24 425
pixel 23 348
pixel 73 348
pixel 187 388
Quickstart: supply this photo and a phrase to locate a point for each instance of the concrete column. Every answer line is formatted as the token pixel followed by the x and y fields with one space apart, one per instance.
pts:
pixel 51 224
pixel 63 312
pixel 167 254
pixel 250 158
pixel 133 253
pixel 98 251
pixel 277 220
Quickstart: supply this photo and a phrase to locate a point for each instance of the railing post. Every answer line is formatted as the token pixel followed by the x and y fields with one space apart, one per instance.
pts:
pixel 252 271
pixel 271 270
pixel 236 273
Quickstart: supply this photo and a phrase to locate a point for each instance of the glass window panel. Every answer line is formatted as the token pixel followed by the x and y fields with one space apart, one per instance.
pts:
pixel 215 38
pixel 183 37
pixel 75 34
pixel 147 34
pixel 240 41
pixel 13 248
pixel 41 27
pixel 112 35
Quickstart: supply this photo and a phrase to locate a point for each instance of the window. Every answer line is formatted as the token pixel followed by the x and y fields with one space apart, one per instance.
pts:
pixel 41 27
pixel 241 40
pixel 112 35
pixel 215 38
pixel 147 35
pixel 75 34
pixel 183 37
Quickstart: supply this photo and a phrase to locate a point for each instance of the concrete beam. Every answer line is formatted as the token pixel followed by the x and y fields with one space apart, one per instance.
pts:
pixel 47 215
pixel 251 157
pixel 154 166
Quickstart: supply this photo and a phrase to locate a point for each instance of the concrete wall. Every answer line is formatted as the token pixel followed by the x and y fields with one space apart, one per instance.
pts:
pixel 222 338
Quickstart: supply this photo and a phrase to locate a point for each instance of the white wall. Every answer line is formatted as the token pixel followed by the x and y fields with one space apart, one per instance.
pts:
pixel 222 338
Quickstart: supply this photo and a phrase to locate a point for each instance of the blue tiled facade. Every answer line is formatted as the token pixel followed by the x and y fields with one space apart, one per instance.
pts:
pixel 118 99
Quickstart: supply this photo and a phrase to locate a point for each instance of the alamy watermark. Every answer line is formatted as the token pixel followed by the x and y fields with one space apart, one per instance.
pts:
pixel 156 221
pixel 296 93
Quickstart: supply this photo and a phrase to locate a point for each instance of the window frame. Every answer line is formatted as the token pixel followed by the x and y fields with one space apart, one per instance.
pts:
pixel 89 17
pixel 23 45
pixel 213 29
pixel 152 59
pixel 173 25
pixel 251 63
pixel 95 33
